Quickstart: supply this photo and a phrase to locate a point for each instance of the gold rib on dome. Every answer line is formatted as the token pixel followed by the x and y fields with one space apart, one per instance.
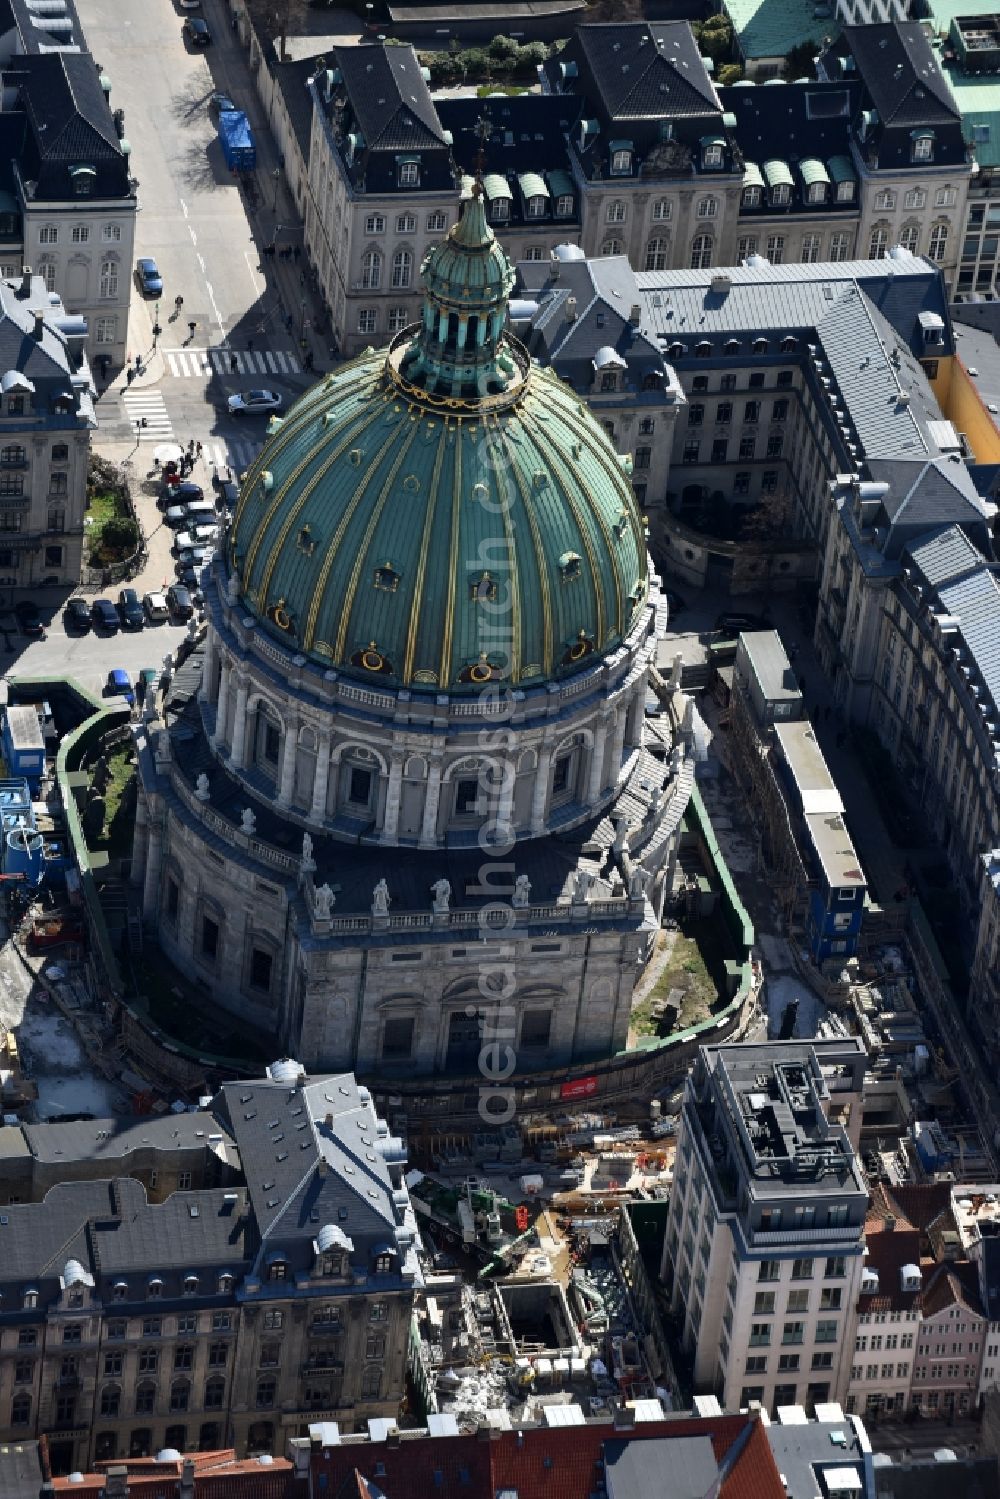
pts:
pixel 447 447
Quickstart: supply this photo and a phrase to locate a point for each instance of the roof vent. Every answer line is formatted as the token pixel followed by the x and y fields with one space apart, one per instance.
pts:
pixel 635 315
pixel 721 284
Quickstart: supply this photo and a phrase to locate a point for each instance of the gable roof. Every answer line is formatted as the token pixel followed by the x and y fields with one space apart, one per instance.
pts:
pixel 944 554
pixel 69 122
pixel 390 98
pixel 551 1462
pixel 950 1285
pixel 646 70
pixel 888 1250
pixel 901 74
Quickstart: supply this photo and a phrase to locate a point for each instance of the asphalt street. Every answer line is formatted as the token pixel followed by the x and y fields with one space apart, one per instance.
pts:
pixel 193 221
pixel 88 657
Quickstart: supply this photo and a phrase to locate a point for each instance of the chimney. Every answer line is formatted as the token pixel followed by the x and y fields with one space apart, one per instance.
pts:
pixel 25 281
pixel 186 1490
pixel 39 325
pixel 392 1437
pixel 571 309
pixel 635 316
pixel 116 1482
pixel 888 1223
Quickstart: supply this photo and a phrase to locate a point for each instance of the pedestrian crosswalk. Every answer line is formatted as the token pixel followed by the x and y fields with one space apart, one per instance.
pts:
pixel 147 411
pixel 197 363
pixel 237 453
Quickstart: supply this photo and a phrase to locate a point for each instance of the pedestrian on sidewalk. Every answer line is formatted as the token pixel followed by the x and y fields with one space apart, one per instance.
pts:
pixel 249 345
pixel 234 363
pixel 198 449
pixel 309 360
pixel 296 253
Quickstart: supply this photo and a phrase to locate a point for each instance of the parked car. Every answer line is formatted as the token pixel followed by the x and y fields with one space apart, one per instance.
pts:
pixel 148 278
pixel 197 32
pixel 104 614
pixel 179 602
pixel 190 4
pixel 734 623
pixel 195 557
pixel 202 513
pixel 130 609
pixel 119 684
pixel 219 102
pixel 155 605
pixel 29 618
pixel 254 403
pixel 182 494
pixel 76 615
pixel 176 516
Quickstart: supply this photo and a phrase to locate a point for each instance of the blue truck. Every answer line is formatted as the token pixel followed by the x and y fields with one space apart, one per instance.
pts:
pixel 237 141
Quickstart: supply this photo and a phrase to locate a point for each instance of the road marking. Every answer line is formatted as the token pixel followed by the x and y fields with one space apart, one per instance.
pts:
pixel 215 308
pixel 253 274
pixel 140 405
pixel 238 453
pixel 193 363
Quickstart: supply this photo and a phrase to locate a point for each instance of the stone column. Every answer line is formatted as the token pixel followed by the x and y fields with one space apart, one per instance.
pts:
pixel 289 750
pixel 540 791
pixel 636 715
pixel 393 798
pixel 321 781
pixel 239 727
pixel 505 798
pixel 218 735
pixel 595 782
pixel 432 799
pixel 618 743
pixel 151 884
pixel 207 668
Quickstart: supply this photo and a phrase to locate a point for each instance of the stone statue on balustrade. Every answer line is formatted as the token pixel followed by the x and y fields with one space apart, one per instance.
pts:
pixel 441 891
pixel 380 899
pixel 248 821
pixel 324 899
pixel 522 892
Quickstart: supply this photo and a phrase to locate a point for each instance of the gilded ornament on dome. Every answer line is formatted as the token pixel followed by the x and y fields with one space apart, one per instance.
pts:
pixel 371 659
pixel 306 542
pixel 411 484
pixel 533 669
pixel 425 676
pixel 386 578
pixel 278 614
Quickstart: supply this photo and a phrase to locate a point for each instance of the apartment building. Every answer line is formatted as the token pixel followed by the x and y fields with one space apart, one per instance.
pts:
pixel 47 417
pixel 763 1253
pixel 213 1279
pixel 69 197
pixel 888 1311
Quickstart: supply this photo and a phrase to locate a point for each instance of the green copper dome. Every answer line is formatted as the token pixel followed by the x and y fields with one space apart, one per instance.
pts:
pixel 442 513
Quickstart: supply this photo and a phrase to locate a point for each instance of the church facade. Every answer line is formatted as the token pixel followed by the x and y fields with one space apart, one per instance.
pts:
pixel 408 795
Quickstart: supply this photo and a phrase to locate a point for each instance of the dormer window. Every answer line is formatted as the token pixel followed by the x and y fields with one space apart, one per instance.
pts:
pixel 922 145
pixel 781 195
pixel 536 207
pixel 570 564
pixel 845 192
pixel 409 173
pixel 564 206
pixel 500 210
pixel 751 196
pixel 609 381
pixel 120 1290
pixel 83 178
pixel 711 156
pixel 383 1264
pixel 621 158
pixel 277 1270
pixel 332 1264
pixel 225 1283
pixel 30 1299
pixel 154 1288
pixel 190 1285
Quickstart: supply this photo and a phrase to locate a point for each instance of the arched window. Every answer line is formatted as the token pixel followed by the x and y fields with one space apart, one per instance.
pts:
pixel 111 1400
pixel 879 242
pixel 939 242
pixel 215 1393
pixel 611 247
pixel 20 1409
pixel 109 278
pixel 707 208
pixel 657 254
pixel 145 1397
pixel 180 1395
pixel 371 270
pixel 616 212
pixel 47 271
pixel 909 237
pixel 701 252
pixel 402 268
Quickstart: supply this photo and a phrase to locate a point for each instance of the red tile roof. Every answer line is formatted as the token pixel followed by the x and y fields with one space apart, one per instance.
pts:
pixel 217 1475
pixel 889 1249
pixel 951 1285
pixel 539 1463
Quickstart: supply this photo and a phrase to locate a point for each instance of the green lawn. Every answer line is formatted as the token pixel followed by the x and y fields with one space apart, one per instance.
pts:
pixel 696 967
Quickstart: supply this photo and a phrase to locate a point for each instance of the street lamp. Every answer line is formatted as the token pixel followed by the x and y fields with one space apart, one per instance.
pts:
pixel 157 330
pixel 276 178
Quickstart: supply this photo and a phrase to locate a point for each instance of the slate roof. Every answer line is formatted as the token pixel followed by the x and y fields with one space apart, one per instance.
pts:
pixel 187 1232
pixel 390 98
pixel 69 123
pixel 527 134
pixel 901 73
pixel 944 554
pixel 316 1154
pixel 646 70
pixel 112 1139
pixel 605 292
pixel 975 599
pixel 798 121
pixel 39 1237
